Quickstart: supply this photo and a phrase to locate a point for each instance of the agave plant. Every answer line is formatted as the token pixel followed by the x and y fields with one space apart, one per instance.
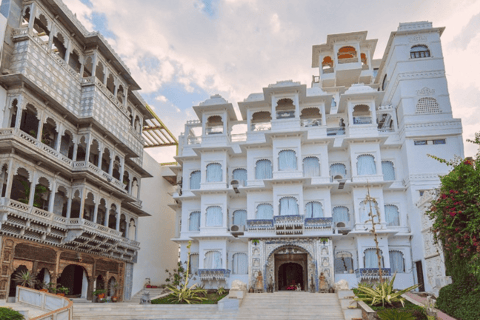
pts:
pixel 25 279
pixel 382 293
pixel 185 294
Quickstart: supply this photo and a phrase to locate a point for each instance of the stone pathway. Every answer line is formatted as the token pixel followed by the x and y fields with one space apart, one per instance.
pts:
pixel 291 305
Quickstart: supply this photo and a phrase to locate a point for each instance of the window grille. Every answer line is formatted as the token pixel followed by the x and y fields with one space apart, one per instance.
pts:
pixel 427 105
pixel 419 51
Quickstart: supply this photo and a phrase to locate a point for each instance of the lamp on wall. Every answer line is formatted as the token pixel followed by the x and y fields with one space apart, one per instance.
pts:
pixel 234 184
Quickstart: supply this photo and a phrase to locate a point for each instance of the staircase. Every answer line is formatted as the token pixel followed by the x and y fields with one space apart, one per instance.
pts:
pixel 291 305
pixel 123 311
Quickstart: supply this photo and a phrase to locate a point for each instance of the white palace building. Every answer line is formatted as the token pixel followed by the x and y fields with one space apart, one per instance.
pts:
pixel 287 196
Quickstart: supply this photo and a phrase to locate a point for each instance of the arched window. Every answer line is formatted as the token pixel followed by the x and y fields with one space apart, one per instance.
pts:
pixel 311 117
pixel 371 258
pixel 338 170
pixel 194 221
pixel 419 51
pixel 313 209
pixel 214 125
pixel 240 217
pixel 388 171
pixel 263 169
pixel 214 217
pixel 365 207
pixel 285 109
pixel 264 211
pixel 261 121
pixel 288 206
pixel 214 172
pixel 347 54
pixel 240 175
pixel 366 165
pixel 361 114
pixel 397 263
pixel 392 216
pixel 343 262
pixel 240 263
pixel 287 160
pixel 327 64
pixel 311 167
pixel 213 260
pixel 340 214
pixel 194 263
pixel 427 105
pixel 195 178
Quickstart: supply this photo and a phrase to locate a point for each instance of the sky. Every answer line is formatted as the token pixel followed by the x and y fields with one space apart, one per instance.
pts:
pixel 182 52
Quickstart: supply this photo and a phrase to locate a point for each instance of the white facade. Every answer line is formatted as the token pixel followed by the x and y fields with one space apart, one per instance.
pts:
pixel 311 155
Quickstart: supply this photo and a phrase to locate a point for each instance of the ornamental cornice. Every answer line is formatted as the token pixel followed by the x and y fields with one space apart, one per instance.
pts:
pixel 433 124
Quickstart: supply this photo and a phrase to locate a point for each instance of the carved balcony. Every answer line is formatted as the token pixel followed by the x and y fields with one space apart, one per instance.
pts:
pixel 369 274
pixel 318 223
pixel 260 225
pixel 214 274
pixel 20 220
pixel 289 225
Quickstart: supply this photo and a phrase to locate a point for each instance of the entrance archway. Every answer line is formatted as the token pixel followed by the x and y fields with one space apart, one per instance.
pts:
pixel 74 277
pixel 13 283
pixel 290 274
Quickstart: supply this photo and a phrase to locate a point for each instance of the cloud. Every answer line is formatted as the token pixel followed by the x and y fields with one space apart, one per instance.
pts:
pixel 236 47
pixel 161 98
pixel 83 12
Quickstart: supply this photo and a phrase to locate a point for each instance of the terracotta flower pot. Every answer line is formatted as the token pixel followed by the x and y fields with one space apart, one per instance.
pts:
pixel 101 296
pixel 61 294
pixel 43 290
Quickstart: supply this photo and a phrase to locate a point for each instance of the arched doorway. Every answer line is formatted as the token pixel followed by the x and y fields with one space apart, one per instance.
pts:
pixel 74 277
pixel 290 274
pixel 43 279
pixel 13 283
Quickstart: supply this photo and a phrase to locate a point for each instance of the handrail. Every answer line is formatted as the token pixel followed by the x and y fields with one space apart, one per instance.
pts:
pixel 52 315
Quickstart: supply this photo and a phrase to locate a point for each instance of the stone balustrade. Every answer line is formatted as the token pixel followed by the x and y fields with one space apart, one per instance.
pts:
pixel 367 274
pixel 214 274
pixel 55 307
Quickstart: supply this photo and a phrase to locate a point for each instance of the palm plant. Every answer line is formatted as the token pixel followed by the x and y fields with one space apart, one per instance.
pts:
pixel 185 294
pixel 382 293
pixel 25 278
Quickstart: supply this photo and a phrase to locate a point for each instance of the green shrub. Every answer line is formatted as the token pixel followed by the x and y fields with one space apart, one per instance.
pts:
pixel 460 301
pixel 9 314
pixel 395 314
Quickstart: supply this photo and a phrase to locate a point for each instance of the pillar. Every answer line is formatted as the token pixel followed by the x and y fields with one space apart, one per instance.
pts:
pixel 9 179
pixel 33 11
pixel 122 169
pixel 107 215
pixel 20 109
pixel 126 97
pixel 75 149
pixel 51 199
pixel 127 227
pixel 100 156
pixel 32 191
pixel 110 168
pixel 94 63
pixel 95 213
pixel 69 207
pixel 50 38
pixel 82 202
pixel 118 215
pixel 87 149
pixel 40 126
pixel 67 52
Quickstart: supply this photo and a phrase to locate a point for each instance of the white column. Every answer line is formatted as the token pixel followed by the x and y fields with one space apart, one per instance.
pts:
pixel 122 169
pixel 32 190
pixel 75 149
pixel 40 126
pixel 9 179
pixel 127 227
pixel 33 11
pixel 117 227
pixel 67 52
pixel 107 215
pixel 110 168
pixel 51 198
pixel 100 156
pixel 69 207
pixel 82 202
pixel 95 213
pixel 94 63
pixel 87 151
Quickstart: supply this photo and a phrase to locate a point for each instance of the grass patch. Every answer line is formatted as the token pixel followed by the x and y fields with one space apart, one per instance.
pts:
pixel 212 298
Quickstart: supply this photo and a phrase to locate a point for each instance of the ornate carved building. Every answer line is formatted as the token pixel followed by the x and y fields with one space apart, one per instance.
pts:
pixel 279 196
pixel 71 153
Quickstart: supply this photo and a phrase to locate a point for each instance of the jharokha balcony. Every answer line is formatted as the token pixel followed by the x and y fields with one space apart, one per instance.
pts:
pixel 20 219
pixel 290 224
pixel 372 274
pixel 214 274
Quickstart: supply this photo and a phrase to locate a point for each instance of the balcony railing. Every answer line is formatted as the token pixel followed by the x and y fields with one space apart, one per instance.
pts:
pixel 261 126
pixel 362 120
pixel 285 114
pixel 238 137
pixel 335 131
pixel 311 122
pixel 194 140
pixel 260 224
pixel 291 224
pixel 318 223
pixel 366 274
pixel 214 274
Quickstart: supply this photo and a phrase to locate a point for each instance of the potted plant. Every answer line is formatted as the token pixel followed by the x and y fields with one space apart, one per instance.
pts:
pixel 100 294
pixel 115 287
pixel 62 291
pixel 25 279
